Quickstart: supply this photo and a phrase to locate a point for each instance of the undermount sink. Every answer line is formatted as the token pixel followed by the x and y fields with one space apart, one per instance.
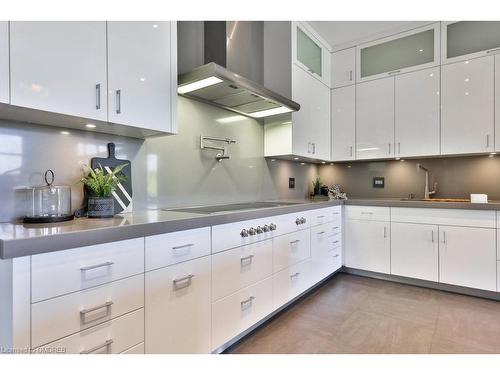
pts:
pixel 452 200
pixel 231 207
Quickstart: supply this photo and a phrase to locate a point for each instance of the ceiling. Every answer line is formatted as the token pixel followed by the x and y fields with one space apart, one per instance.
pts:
pixel 342 34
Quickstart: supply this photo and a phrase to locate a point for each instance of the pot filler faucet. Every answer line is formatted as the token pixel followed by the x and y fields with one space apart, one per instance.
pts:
pixel 427 193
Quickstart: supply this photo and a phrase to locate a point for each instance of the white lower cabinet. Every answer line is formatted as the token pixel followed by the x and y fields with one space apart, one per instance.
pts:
pixel 414 251
pixel 291 248
pixel 290 282
pixel 368 245
pixel 467 257
pixel 238 268
pixel 237 312
pixel 178 305
pixel 112 337
pixel 326 250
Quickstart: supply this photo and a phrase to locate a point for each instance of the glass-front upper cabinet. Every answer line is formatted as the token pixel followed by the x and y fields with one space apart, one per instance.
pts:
pixel 400 53
pixel 310 53
pixel 464 40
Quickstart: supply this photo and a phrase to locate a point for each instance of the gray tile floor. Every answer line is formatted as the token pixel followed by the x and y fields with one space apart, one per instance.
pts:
pixel 353 314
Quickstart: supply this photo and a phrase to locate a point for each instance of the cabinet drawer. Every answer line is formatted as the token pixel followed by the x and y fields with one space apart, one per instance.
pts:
pixel 171 248
pixel 62 316
pixel 178 306
pixel 293 222
pixel 138 349
pixel 67 271
pixel 290 282
pixel 325 215
pixel 234 314
pixel 238 268
pixel 228 236
pixel 291 248
pixel 463 218
pixel 112 337
pixel 368 213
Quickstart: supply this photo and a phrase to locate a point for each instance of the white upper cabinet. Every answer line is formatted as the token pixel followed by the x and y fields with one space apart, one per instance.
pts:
pixel 497 103
pixel 311 124
pixel 142 74
pixel 59 67
pixel 343 67
pixel 417 113
pixel 4 62
pixel 375 119
pixel 310 53
pixel 467 117
pixel 469 39
pixel 343 123
pixel 400 53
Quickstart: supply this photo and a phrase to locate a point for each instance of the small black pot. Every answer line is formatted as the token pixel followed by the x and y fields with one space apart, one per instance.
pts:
pixel 317 191
pixel 99 207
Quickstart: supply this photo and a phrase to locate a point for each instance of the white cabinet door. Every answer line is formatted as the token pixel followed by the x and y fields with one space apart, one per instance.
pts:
pixel 467 117
pixel 417 113
pixel 497 103
pixel 4 62
pixel 311 124
pixel 142 74
pixel 343 67
pixel 414 251
pixel 375 119
pixel 291 249
pixel 178 305
pixel 368 245
pixel 343 123
pixel 467 257
pixel 59 67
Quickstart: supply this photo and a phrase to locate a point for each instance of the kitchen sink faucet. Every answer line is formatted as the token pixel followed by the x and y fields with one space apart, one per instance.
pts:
pixel 427 193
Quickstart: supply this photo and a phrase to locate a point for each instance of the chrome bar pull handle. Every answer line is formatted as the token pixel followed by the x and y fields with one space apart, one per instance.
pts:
pixel 247 302
pixel 106 306
pixel 385 232
pixel 394 72
pixel 294 242
pixel 350 75
pixel 98 96
pixel 185 281
pixel 247 259
pixel 493 50
pixel 444 237
pixel 182 246
pixel 389 148
pixel 322 232
pixel 399 147
pixel 296 274
pixel 118 101
pixel 336 255
pixel 100 265
pixel 350 151
pixel 432 236
pixel 107 344
pixel 487 141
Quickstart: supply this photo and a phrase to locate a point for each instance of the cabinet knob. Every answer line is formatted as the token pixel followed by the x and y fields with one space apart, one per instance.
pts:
pixel 252 231
pixel 259 230
pixel 298 221
pixel 303 220
pixel 266 228
pixel 244 233
pixel 272 226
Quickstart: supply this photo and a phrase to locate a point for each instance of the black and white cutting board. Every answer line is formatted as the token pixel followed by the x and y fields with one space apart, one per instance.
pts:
pixel 123 194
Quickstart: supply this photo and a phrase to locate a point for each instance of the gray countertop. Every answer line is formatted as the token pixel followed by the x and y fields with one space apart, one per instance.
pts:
pixel 18 240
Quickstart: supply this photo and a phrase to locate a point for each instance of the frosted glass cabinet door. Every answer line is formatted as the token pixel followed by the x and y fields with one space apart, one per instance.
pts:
pixel 497 103
pixel 4 62
pixel 417 113
pixel 467 114
pixel 343 123
pixel 375 119
pixel 142 73
pixel 469 39
pixel 343 67
pixel 404 52
pixel 59 67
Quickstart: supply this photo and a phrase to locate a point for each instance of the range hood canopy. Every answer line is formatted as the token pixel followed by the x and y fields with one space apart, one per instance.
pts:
pixel 215 84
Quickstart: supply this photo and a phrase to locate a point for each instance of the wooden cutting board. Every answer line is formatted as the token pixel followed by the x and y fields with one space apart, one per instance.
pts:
pixel 123 194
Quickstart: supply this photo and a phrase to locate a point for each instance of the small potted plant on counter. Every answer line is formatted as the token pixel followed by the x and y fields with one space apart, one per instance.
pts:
pixel 101 186
pixel 317 186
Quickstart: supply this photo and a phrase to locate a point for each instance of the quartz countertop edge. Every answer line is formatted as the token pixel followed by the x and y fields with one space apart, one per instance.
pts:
pixel 17 240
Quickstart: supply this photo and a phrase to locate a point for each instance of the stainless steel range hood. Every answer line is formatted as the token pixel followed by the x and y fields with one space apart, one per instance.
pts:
pixel 214 84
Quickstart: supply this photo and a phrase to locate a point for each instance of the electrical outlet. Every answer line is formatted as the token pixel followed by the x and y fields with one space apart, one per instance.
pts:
pixel 291 183
pixel 378 182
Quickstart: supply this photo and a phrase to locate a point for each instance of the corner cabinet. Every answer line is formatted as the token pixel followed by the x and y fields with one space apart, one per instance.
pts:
pixel 343 67
pixel 300 70
pixel 119 76
pixel 142 74
pixel 343 123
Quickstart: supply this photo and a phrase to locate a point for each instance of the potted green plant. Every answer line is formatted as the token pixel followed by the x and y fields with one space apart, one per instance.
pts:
pixel 101 185
pixel 317 186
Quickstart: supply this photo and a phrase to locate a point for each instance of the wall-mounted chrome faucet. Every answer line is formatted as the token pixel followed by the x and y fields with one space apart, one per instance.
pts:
pixel 222 155
pixel 427 193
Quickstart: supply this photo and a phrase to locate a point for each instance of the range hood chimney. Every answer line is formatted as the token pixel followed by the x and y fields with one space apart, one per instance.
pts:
pixel 231 47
